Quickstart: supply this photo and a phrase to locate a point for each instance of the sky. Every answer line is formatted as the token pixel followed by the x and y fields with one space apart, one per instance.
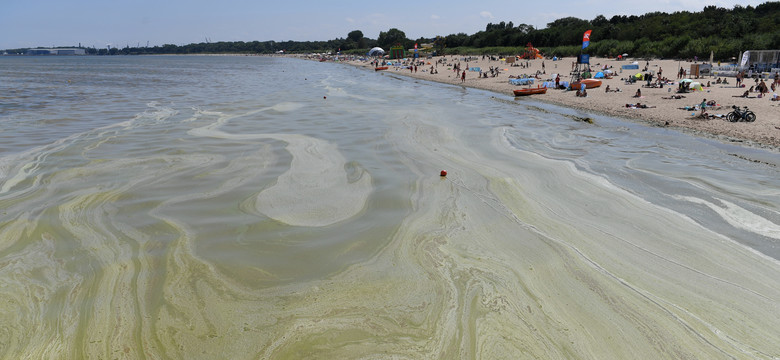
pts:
pixel 120 23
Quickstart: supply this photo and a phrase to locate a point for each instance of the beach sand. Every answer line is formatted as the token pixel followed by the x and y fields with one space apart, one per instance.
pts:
pixel 764 132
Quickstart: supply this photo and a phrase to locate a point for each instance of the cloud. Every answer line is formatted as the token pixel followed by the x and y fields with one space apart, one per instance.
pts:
pixel 350 20
pixel 435 17
pixel 486 14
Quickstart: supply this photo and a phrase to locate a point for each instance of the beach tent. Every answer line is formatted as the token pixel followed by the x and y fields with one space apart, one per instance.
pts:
pixel 696 86
pixel 377 51
pixel 638 76
pixel 599 75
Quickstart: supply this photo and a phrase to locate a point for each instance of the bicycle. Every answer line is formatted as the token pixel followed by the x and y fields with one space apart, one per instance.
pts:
pixel 741 115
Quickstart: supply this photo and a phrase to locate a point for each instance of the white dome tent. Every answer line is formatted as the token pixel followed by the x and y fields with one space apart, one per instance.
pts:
pixel 377 51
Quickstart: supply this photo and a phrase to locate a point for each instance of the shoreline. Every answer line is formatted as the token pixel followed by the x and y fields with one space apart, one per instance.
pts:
pixel 764 133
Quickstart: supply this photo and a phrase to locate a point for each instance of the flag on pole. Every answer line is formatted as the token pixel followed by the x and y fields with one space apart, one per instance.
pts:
pixel 745 58
pixel 586 39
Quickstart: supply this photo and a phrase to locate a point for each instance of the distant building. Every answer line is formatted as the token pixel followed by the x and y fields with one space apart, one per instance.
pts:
pixel 58 51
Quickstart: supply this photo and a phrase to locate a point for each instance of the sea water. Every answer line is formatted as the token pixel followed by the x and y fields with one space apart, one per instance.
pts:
pixel 264 207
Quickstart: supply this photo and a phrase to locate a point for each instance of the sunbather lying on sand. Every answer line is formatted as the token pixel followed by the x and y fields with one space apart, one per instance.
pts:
pixel 638 106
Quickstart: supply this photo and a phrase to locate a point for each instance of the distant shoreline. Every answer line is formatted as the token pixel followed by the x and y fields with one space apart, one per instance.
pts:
pixel 763 133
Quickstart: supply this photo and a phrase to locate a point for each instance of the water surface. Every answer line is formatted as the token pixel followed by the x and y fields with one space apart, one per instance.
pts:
pixel 251 207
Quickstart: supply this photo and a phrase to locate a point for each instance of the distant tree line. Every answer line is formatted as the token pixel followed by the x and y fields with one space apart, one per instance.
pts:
pixel 683 34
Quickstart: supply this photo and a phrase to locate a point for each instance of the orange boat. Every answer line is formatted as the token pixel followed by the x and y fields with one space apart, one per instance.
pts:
pixel 380 68
pixel 589 84
pixel 530 91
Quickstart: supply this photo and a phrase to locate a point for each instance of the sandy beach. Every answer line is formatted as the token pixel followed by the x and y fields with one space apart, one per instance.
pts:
pixel 662 110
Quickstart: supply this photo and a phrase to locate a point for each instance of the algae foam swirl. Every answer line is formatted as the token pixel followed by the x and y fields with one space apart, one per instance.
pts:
pixel 316 190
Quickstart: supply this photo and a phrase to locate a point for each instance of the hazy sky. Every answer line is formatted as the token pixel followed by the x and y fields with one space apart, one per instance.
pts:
pixel 32 23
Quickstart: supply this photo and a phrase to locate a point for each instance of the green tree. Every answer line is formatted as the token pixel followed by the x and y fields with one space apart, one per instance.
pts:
pixel 357 39
pixel 391 38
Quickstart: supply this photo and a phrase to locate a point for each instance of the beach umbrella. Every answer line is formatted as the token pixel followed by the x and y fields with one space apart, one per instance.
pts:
pixel 686 80
pixel 638 76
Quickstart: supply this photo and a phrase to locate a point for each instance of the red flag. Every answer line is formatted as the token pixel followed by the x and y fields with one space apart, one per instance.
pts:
pixel 586 39
pixel 415 45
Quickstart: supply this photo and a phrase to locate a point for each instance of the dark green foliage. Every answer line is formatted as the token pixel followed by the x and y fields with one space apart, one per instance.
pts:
pixel 392 37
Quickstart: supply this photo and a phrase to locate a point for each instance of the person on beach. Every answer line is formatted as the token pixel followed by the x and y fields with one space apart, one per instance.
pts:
pixel 463 76
pixel 638 93
pixel 703 106
pixel 762 88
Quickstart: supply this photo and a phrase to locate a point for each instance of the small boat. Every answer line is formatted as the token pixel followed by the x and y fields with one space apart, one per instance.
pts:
pixel 589 84
pixel 530 91
pixel 380 68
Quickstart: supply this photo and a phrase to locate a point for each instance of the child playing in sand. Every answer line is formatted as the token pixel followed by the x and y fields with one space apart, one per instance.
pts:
pixel 703 105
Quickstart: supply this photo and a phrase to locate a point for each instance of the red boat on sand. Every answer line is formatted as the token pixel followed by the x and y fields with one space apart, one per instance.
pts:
pixel 530 91
pixel 589 84
pixel 380 68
